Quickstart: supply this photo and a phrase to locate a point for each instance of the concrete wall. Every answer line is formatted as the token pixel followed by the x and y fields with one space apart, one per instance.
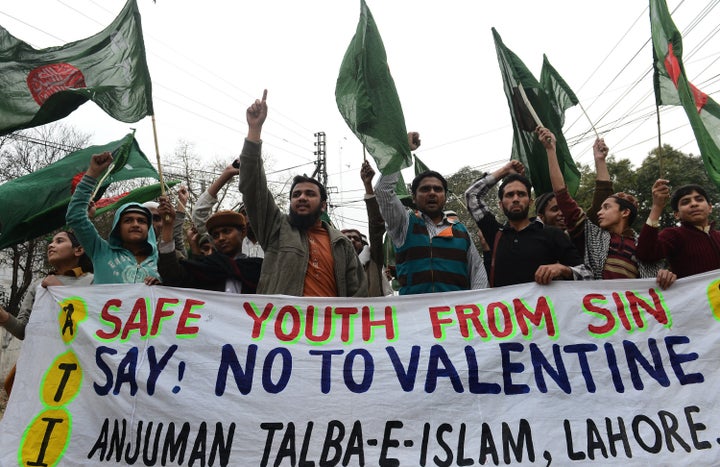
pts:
pixel 9 352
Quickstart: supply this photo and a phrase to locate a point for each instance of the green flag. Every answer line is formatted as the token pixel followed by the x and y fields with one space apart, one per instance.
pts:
pixel 673 88
pixel 109 68
pixel 560 94
pixel 548 101
pixel 138 195
pixel 420 166
pixel 367 98
pixel 39 200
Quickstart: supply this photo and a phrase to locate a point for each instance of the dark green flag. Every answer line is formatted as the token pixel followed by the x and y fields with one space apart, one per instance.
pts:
pixel 109 68
pixel 367 98
pixel 420 166
pixel 549 102
pixel 39 200
pixel 673 88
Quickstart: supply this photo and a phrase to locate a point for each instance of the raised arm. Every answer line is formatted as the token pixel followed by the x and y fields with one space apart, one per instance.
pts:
pixel 376 223
pixel 77 213
pixel 207 199
pixel 259 201
pixel 649 247
pixel 391 208
pixel 547 138
pixel 476 192
pixel 171 273
pixel 603 183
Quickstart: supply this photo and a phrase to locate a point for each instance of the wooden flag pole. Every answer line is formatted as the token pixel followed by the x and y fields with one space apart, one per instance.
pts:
pixel 102 180
pixel 109 170
pixel 588 117
pixel 157 155
pixel 529 106
pixel 659 155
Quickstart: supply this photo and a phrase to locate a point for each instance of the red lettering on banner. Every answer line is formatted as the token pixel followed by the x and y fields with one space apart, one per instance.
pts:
pixel 310 325
pixel 387 322
pixel 542 312
pixel 499 320
pixel 106 316
pixel 319 325
pixel 473 316
pixel 141 315
pixel 295 324
pixel 161 314
pixel 505 319
pixel 258 320
pixel 625 302
pixel 346 313
pixel 187 314
pixel 138 320
pixel 437 322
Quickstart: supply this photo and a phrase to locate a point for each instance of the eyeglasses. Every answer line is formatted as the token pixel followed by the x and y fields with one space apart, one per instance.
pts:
pixel 156 218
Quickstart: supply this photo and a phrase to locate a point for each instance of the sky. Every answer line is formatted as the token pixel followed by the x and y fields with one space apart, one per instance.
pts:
pixel 210 60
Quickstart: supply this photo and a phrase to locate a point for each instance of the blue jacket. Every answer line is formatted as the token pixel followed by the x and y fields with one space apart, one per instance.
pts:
pixel 113 263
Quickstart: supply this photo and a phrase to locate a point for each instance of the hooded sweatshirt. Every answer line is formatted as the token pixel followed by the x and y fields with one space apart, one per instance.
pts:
pixel 113 263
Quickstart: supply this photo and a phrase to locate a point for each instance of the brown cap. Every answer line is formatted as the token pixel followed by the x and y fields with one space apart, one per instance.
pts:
pixel 225 217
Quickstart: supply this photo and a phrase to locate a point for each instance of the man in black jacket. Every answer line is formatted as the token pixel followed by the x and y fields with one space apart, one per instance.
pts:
pixel 227 269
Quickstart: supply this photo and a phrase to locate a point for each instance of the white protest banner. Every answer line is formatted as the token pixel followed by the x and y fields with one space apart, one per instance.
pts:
pixel 574 373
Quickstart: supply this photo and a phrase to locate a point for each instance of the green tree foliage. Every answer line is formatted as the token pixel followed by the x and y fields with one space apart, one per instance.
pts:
pixel 20 154
pixel 457 184
pixel 677 167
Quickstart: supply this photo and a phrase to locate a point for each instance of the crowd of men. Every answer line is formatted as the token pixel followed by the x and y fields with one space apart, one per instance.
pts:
pixel 262 249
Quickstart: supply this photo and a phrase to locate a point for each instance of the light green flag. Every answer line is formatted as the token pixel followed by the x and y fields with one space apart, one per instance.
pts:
pixel 39 200
pixel 549 100
pixel 368 101
pixel 673 88
pixel 109 68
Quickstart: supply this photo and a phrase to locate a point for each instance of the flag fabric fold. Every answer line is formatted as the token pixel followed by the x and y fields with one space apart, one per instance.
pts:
pixel 39 200
pixel 109 68
pixel 549 98
pixel 673 88
pixel 367 98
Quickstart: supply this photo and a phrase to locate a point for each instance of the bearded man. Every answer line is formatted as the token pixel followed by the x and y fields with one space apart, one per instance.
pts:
pixel 304 256
pixel 522 250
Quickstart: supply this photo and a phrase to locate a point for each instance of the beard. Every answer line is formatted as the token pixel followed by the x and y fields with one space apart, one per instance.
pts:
pixel 304 221
pixel 517 215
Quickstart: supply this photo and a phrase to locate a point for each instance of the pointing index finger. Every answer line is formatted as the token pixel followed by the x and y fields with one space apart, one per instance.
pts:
pixel 264 97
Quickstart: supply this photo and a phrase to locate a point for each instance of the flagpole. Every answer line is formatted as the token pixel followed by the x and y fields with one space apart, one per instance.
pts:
pixel 588 117
pixel 157 156
pixel 660 164
pixel 529 106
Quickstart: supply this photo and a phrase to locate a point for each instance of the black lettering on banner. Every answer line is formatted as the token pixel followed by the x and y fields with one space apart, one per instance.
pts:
pixel 66 368
pixel 51 422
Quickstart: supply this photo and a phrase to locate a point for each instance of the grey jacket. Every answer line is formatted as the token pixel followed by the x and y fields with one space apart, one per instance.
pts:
pixel 285 246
